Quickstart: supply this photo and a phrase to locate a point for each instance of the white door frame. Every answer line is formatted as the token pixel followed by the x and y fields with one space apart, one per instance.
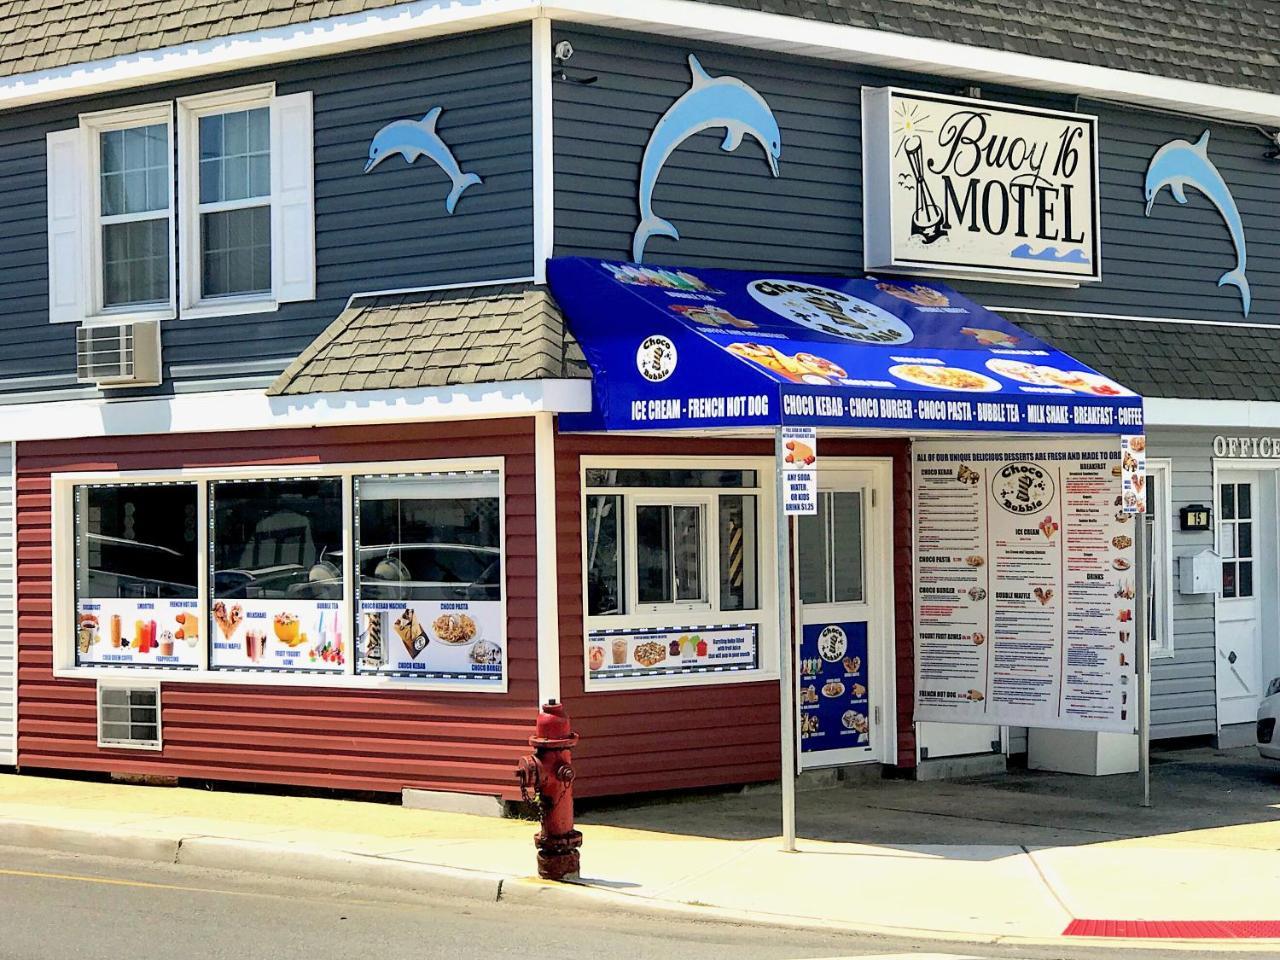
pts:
pixel 1266 576
pixel 878 550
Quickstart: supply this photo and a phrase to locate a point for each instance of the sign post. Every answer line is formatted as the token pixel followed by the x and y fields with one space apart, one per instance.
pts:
pixel 786 655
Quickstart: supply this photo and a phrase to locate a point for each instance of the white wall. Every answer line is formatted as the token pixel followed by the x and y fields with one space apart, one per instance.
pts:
pixel 8 613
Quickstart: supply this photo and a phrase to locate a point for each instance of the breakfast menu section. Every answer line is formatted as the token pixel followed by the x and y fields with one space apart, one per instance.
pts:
pixel 1024 586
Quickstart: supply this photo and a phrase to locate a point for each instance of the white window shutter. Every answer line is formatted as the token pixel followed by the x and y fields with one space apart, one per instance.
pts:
pixel 293 230
pixel 66 175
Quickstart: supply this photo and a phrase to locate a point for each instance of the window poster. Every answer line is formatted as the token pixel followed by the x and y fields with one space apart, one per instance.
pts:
pixel 835 713
pixel 659 652
pixel 274 635
pixel 1025 585
pixel 434 639
pixel 125 632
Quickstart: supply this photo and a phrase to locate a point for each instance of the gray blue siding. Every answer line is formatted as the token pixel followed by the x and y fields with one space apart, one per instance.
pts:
pixel 385 230
pixel 731 212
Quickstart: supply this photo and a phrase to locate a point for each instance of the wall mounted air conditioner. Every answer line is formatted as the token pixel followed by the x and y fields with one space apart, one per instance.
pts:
pixel 119 355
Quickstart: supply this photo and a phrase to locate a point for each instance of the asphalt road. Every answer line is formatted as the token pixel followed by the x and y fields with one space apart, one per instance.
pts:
pixel 66 907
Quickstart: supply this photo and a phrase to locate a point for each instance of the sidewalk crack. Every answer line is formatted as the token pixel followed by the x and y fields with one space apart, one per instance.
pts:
pixel 1047 885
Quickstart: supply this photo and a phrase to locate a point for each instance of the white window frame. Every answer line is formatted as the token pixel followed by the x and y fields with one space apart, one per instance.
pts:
pixel 64 576
pixel 190 110
pixel 92 126
pixel 676 614
pixel 120 683
pixel 1162 556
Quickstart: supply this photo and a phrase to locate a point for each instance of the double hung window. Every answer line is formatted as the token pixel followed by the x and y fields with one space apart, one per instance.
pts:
pixel 200 206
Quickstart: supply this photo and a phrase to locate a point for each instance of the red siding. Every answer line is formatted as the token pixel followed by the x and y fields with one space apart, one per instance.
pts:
pixel 697 736
pixel 324 737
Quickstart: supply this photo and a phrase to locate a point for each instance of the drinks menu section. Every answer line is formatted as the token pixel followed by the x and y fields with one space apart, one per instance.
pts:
pixel 1024 586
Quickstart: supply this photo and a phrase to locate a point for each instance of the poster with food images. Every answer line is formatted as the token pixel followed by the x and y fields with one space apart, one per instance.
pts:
pixel 1025 585
pixel 152 633
pixel 448 640
pixel 293 636
pixel 833 696
pixel 669 652
pixel 1133 473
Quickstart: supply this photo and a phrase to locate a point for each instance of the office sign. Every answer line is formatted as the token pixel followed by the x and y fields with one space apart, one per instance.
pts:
pixel 972 188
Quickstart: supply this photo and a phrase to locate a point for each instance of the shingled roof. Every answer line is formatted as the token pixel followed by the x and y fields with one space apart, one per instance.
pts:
pixel 468 335
pixel 1205 40
pixel 1201 361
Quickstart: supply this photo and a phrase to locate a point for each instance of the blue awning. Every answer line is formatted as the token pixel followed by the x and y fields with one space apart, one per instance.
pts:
pixel 679 348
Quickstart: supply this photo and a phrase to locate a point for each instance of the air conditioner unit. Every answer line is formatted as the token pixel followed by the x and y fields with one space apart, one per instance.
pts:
pixel 119 355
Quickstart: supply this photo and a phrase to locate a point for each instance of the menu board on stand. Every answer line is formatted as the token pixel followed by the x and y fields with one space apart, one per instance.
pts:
pixel 1025 585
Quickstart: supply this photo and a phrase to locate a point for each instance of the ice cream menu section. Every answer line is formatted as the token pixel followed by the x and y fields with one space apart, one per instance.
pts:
pixel 1024 586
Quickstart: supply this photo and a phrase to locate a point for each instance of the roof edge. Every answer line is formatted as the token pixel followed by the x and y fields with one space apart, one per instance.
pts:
pixel 681 18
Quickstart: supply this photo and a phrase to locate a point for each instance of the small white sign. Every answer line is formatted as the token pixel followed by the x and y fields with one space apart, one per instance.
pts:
pixel 1133 473
pixel 798 469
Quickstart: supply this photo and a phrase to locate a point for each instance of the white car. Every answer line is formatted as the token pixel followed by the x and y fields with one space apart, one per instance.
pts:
pixel 1268 717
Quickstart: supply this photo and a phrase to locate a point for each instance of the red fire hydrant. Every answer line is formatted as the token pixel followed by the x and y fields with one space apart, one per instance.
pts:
pixel 546 781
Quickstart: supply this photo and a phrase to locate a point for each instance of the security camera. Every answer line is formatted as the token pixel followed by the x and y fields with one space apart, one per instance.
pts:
pixel 564 50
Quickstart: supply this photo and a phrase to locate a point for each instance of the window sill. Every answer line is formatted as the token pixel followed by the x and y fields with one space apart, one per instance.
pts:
pixel 124 316
pixel 676 681
pixel 263 679
pixel 230 307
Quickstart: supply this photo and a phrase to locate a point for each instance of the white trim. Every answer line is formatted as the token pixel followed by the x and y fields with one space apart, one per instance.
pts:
pixel 1218 414
pixel 543 151
pixel 10 756
pixel 64 587
pixel 462 285
pixel 1163 529
pixel 1038 311
pixel 548 574
pixel 254 410
pixel 764 617
pixel 673 18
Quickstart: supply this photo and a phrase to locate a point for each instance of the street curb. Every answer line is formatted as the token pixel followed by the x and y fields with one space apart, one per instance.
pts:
pixel 257 857
pixel 251 856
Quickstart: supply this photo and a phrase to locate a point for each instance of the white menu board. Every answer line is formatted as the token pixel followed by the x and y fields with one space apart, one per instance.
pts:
pixel 1025 585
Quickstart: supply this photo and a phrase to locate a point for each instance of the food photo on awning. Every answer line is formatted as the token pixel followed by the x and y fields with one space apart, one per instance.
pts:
pixel 682 347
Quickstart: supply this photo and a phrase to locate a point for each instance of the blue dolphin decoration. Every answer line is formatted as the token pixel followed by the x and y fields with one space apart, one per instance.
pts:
pixel 418 138
pixel 1180 164
pixel 709 102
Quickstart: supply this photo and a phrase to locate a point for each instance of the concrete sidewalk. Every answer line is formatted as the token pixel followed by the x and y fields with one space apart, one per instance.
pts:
pixel 976 892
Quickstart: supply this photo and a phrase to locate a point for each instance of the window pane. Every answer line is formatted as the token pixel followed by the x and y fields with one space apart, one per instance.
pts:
pixel 1244 501
pixel 137 541
pixel 1246 578
pixel 604 555
pixel 846 546
pixel 276 575
pixel 429 538
pixel 1228 507
pixel 135 262
pixel 738 558
pixel 236 252
pixel 134 169
pixel 1229 579
pixel 628 477
pixel 653 554
pixel 137 571
pixel 235 156
pixel 277 539
pixel 687 524
pixel 1244 539
pixel 1226 540
pixel 815 581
